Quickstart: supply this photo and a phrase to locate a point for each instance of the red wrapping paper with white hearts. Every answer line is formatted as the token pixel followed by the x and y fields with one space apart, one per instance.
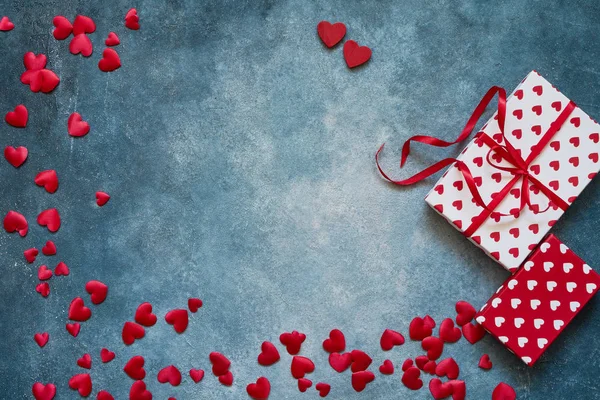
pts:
pixel 566 164
pixel 536 304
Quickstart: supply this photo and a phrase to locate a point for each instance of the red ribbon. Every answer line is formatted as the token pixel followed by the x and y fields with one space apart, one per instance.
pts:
pixel 519 168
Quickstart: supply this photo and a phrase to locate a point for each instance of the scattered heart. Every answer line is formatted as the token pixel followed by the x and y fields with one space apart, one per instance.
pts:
pixel 15 156
pixel 411 378
pixel 76 126
pixel 361 379
pixel 135 368
pixel 331 34
pixel 112 39
pixel 220 363
pixel 81 44
pixel 41 338
pixel 389 339
pixel 49 248
pixel 110 60
pixel 15 222
pixel 104 395
pixel 43 289
pixel 106 355
pixel 304 384
pixel 292 341
pixel 169 374
pixel 43 392
pixel 323 388
pixel 178 318
pixel 226 379
pixel 196 374
pixel 6 24
pixel 18 117
pixel 63 27
pixel 259 390
pixel 504 392
pixel 434 347
pixel 473 332
pixel 387 368
pixel 61 269
pixel 131 332
pixel 301 366
pixel 144 316
pixel 97 291
pixel 83 25
pixel 78 311
pixel 73 329
pixel 448 332
pixel 30 254
pixel 440 390
pixel 85 361
pixel 484 362
pixel 356 55
pixel 138 391
pixel 82 383
pixel 132 19
pixel 194 304
pixel 269 354
pixel 420 328
pixel 336 343
pixel 447 367
pixel 44 273
pixel 360 360
pixel 49 218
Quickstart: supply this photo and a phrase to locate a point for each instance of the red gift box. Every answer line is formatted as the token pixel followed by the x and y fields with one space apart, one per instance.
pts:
pixel 534 305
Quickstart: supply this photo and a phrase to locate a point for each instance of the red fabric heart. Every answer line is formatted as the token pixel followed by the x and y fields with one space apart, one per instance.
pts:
pixel 104 395
pixel 112 39
pixel 15 222
pixel 434 347
pixel 44 273
pixel 132 19
pixel 49 218
pixel 292 341
pixel 411 378
pixel 459 389
pixel 6 24
pixel 85 361
pixel 301 366
pixel 356 55
pixel 259 390
pixel 49 248
pixel 18 117
pixel 138 391
pixel 178 318
pixel 106 355
pixel 465 313
pixel 473 332
pixel 78 311
pixel 220 363
pixel 41 338
pixel 135 368
pixel 504 392
pixel 304 384
pixel 448 332
pixel 30 254
pixel 340 362
pixel 97 291
pixel 169 374
pixel 43 392
pixel 33 62
pixel 447 367
pixel 83 24
pixel 76 126
pixel 81 44
pixel 336 343
pixel 361 379
pixel 61 269
pixel 43 80
pixel 196 374
pixel 226 379
pixel 360 360
pixel 73 329
pixel 407 364
pixel 331 34
pixel 323 388
pixel 110 61
pixel 387 368
pixel 484 362
pixel 390 338
pixel 420 328
pixel 43 289
pixel 82 383
pixel 16 157
pixel 194 304
pixel 269 354
pixel 63 27
pixel 440 390
pixel 429 367
pixel 131 332
pixel 144 316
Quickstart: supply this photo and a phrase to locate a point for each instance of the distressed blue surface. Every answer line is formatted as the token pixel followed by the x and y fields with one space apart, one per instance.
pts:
pixel 239 155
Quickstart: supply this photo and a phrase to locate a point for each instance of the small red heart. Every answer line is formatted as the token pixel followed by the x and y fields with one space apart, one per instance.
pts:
pixel 144 316
pixel 519 94
pixel 555 145
pixel 440 390
pixel 473 332
pixel 292 341
pixel 554 185
pixel 504 392
pixel 269 354
pixel 387 368
pixel 336 343
pixel 439 189
pixel 574 141
pixel 457 204
pixel 538 90
pixel 517 133
pixel 594 137
pixel 439 208
pixel 459 389
pixel 49 218
pixel 73 329
pixel 220 363
pixel 448 332
pixel 304 384
pixel 419 329
pixel 555 165
pixel 97 291
pixel 534 228
pixel 360 360
pixel 102 198
pixel 261 389
pixel 78 311
pixel 434 347
pixel 33 62
pixel 593 157
pixel 135 368
pixel 331 34
pixel 340 362
pixel 83 24
pixel 194 304
pixel 575 121
pixel 44 273
pixel 132 19
pixel 196 374
pixel 390 338
pixel 514 232
pixel 478 180
pixel 15 156
pixel 81 44
pixel 537 109
pixel 138 391
pixel 43 392
pixel 18 117
pixel 495 254
pixel 110 61
pixel 495 236
pixel 30 254
pixel 15 222
pixel 356 55
pixel 85 361
pixel 131 332
pixel 226 379
pixel 421 361
pixel 429 367
pixel 82 383
pixel 104 395
pixel 49 248
pixel 61 269
pixel 63 27
pixel 518 113
pixel 407 364
pixel 484 362
pixel 169 374
pixel 6 24
pixel 43 80
pixel 106 355
pixel 411 378
pixel 458 185
pixel 41 338
pixel 361 379
pixel 301 366
pixel 447 367
pixel 323 388
pixel 535 169
pixel 537 129
pixel 514 251
pixel 178 318
pixel 76 126
pixel 478 161
pixel 112 39
pixel 556 105
pixel 574 180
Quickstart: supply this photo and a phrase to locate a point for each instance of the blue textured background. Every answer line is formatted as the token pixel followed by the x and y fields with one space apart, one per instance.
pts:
pixel 239 155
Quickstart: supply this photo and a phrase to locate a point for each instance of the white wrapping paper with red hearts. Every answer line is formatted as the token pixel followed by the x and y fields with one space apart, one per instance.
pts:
pixel 565 165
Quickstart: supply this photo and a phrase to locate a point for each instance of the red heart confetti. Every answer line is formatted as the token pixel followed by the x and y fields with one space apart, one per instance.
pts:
pixel 448 332
pixel 43 289
pixel 301 366
pixel 269 354
pixel 292 341
pixel 85 361
pixel 259 390
pixel 43 392
pixel 504 392
pixel 82 383
pixel 49 248
pixel 30 254
pixel 43 80
pixel 407 364
pixel 473 332
pixel 15 222
pixel 411 378
pixel 144 316
pixel 76 126
pixel 18 117
pixel 226 379
pixel 138 391
pixel 447 367
pixel 340 362
pixel 15 156
pixel 112 39
pixel 484 362
pixel 356 55
pixel 178 318
pixel 336 343
pixel 73 329
pixel 465 313
pixel 131 332
pixel 110 60
pixel 6 24
pixel 331 34
pixel 196 374
pixel 220 363
pixel 48 179
pixel 387 368
pixel 169 374
pixel 194 304
pixel 304 384
pixel 33 62
pixel 429 367
pixel 81 44
pixel 83 24
pixel 78 311
pixel 440 390
pixel 41 338
pixel 135 368
pixel 49 218
pixel 44 273
pixel 323 388
pixel 106 355
pixel 61 269
pixel 420 328
pixel 434 347
pixel 361 379
pixel 63 27
pixel 104 395
pixel 389 339
pixel 132 19
pixel 360 360
pixel 97 291
pixel 459 389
